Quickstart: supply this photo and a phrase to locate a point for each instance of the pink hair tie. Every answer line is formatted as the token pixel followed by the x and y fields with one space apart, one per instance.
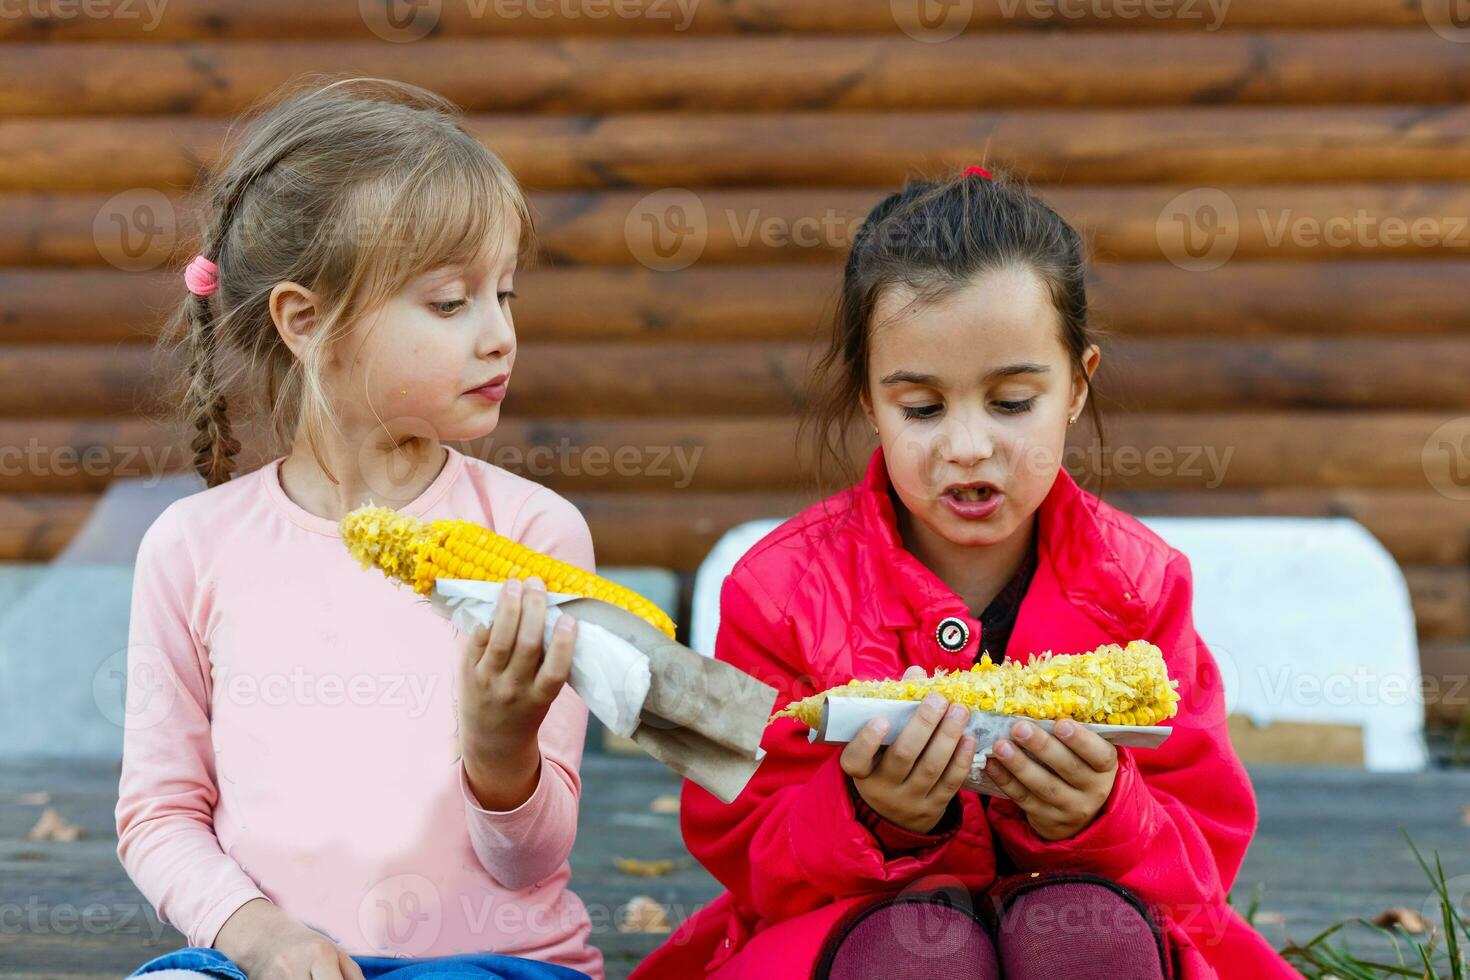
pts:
pixel 201 276
pixel 977 171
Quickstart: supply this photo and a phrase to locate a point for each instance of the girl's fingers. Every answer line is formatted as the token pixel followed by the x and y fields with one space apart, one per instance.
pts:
pixel 914 673
pixel 504 626
pixel 556 666
pixel 934 761
pixel 958 769
pixel 326 971
pixel 860 756
pixel 1097 752
pixel 475 645
pixel 350 969
pixel 1054 753
pixel 530 638
pixel 900 758
pixel 1044 787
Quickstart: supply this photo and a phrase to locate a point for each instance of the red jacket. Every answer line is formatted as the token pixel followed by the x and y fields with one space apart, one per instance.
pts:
pixel 831 595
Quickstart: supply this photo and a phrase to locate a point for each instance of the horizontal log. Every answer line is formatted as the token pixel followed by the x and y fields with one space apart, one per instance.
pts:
pixel 1226 145
pixel 596 75
pixel 143 229
pixel 210 20
pixel 1164 451
pixel 1248 298
pixel 597 380
pixel 1174 451
pixel 1416 526
pixel 1441 599
pixel 35 527
pixel 1147 223
pixel 1445 666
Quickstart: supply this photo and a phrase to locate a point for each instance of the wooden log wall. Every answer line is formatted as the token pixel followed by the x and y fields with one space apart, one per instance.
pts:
pixel 1322 346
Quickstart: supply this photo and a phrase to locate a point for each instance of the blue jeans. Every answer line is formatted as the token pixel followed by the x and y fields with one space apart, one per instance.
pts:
pixel 464 966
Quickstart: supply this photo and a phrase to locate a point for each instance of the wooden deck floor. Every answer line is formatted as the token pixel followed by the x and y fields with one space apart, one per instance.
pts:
pixel 1328 848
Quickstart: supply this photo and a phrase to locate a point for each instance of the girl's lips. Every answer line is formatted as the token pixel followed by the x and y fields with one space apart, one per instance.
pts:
pixel 492 392
pixel 974 510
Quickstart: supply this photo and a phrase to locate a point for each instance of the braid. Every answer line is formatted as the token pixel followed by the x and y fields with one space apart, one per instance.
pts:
pixel 212 442
pixel 213 445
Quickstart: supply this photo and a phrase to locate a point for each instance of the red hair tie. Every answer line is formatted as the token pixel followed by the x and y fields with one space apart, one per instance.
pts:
pixel 973 171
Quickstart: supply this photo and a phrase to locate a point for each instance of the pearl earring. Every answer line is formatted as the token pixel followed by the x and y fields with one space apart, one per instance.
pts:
pixel 1072 420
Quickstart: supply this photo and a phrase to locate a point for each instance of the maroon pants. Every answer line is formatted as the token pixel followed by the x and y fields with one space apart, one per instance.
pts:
pixel 1048 926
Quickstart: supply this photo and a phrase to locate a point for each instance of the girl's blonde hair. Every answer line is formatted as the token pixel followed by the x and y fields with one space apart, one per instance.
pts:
pixel 351 188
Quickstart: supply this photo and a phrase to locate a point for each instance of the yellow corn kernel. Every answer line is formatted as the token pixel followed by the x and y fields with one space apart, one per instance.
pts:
pixel 1112 685
pixel 418 552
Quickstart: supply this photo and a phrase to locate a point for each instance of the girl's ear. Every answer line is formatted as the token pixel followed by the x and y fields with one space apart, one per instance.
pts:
pixel 1090 360
pixel 868 412
pixel 294 310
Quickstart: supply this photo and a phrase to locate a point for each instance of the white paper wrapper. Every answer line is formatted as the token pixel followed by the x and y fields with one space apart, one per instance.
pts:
pixel 608 673
pixel 842 718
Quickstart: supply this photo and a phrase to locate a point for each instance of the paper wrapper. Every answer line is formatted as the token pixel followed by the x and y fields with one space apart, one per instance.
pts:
pixel 701 717
pixel 842 718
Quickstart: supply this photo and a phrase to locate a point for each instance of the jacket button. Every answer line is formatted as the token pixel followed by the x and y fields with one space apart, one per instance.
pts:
pixel 952 634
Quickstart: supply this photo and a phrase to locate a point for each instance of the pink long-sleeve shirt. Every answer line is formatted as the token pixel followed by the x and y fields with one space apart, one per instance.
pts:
pixel 292 733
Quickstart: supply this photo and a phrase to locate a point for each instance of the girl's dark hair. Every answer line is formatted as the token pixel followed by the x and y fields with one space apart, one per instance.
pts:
pixel 934 237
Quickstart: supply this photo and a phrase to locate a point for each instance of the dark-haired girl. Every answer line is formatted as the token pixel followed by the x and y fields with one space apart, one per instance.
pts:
pixel 962 338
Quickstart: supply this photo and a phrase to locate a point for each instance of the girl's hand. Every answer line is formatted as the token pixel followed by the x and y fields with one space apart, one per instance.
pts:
pixel 268 944
pixel 507 684
pixel 912 781
pixel 1063 791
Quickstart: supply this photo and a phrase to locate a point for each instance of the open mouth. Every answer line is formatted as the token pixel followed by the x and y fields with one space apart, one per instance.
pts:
pixel 971 494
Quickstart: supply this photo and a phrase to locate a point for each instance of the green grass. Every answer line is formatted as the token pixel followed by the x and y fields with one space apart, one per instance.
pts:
pixel 1437 953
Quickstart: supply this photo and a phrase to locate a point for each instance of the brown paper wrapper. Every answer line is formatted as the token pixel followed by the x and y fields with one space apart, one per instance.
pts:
pixel 703 718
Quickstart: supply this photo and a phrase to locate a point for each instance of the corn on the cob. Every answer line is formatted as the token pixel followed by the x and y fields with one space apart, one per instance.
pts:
pixel 1111 685
pixel 418 552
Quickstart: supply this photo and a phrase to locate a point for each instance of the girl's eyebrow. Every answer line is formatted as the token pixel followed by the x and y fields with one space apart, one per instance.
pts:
pixel 454 271
pixel 1009 371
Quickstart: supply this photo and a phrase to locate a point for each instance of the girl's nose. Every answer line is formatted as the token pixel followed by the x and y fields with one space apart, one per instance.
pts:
pixel 968 441
pixel 497 334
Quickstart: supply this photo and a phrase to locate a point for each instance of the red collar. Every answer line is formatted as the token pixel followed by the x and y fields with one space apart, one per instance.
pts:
pixel 1070 539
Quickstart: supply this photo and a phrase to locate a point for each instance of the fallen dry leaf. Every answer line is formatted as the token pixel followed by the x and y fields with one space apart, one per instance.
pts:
pixel 1465 815
pixel 665 804
pixel 52 826
pixel 643 914
pixel 1411 921
pixel 35 799
pixel 643 869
